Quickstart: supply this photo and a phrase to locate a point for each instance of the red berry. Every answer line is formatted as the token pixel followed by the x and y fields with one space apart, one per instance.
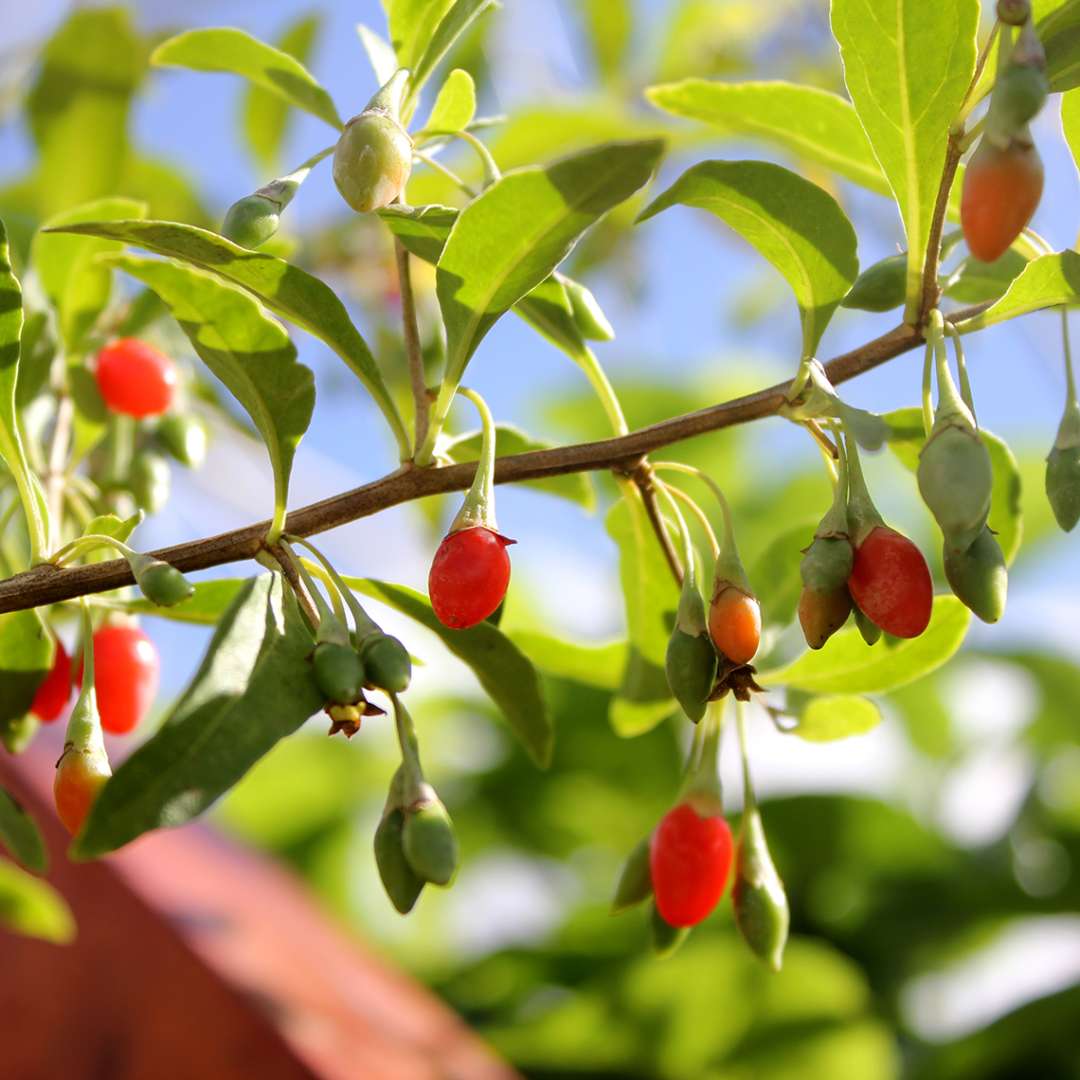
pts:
pixel 469 576
pixel 1002 188
pixel 79 778
pixel 126 669
pixel 690 860
pixel 135 379
pixel 55 691
pixel 890 582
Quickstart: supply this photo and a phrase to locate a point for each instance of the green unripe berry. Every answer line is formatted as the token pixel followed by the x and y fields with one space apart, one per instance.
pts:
pixel 372 161
pixel 339 673
pixel 400 881
pixel 1019 95
pixel 1063 485
pixel 588 316
pixel 871 632
pixel 881 287
pixel 184 437
pixel 387 663
pixel 758 898
pixel 826 563
pixel 690 665
pixel 429 842
pixel 163 584
pixel 251 221
pixel 978 576
pixel 150 481
pixel 956 481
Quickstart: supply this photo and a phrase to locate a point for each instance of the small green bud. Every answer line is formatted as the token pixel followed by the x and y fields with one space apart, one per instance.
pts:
pixel 821 614
pixel 665 937
pixel 400 881
pixel 251 221
pixel 163 584
pixel 150 481
pixel 880 287
pixel 184 437
pixel 827 562
pixel 1063 485
pixel 1014 12
pixel 17 732
pixel 386 662
pixel 429 841
pixel 956 480
pixel 871 632
pixel 761 907
pixel 635 881
pixel 978 576
pixel 339 673
pixel 588 316
pixel 690 665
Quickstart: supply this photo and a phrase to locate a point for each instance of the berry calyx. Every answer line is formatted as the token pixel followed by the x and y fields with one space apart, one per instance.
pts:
pixel 55 690
pixel 735 623
pixel 135 378
pixel 689 860
pixel 1002 189
pixel 128 669
pixel 469 576
pixel 80 776
pixel 891 584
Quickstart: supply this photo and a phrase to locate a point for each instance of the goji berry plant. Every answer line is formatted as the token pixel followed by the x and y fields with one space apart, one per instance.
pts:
pixel 93 405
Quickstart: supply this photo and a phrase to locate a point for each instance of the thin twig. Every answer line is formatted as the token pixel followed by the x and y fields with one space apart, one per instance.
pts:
pixel 931 291
pixel 644 481
pixel 292 575
pixel 413 349
pixel 47 584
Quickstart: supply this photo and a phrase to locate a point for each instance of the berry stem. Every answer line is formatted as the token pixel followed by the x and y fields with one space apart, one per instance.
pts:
pixel 701 784
pixel 702 518
pixel 1068 433
pixel 972 97
pixel 329 626
pixel 862 513
pixel 928 389
pixel 961 366
pixel 414 782
pixel 749 797
pixel 433 163
pixel 487 162
pixel 364 624
pixel 84 725
pixel 478 509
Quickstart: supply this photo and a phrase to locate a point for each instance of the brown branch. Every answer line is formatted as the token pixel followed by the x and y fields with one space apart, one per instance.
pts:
pixel 644 480
pixel 931 291
pixel 48 584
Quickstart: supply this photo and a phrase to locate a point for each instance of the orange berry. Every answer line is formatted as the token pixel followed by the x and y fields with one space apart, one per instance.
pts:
pixel 1002 188
pixel 79 778
pixel 735 624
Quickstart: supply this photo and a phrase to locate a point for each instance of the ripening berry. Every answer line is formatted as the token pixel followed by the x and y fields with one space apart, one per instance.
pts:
pixel 821 614
pixel 135 379
pixel 735 624
pixel 469 576
pixel 890 582
pixel 1002 188
pixel 126 670
pixel 372 161
pixel 690 860
pixel 80 775
pixel 55 690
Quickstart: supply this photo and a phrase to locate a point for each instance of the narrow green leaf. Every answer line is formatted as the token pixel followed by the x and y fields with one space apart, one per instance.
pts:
pixel 834 716
pixel 254 687
pixel 847 666
pixel 814 124
pixel 796 225
pixel 511 237
pixel 113 525
pixel 1070 120
pixel 591 665
pixel 228 50
pixel 609 25
pixel 380 54
pixel 11 444
pixel 205 607
pixel 286 289
pixel 455 106
pixel 76 283
pixel 1045 282
pixel 457 18
pixel 264 114
pixel 20 835
pixel 34 908
pixel 246 349
pixel 412 25
pixel 1059 32
pixel 577 487
pixel 908 65
pixel 504 672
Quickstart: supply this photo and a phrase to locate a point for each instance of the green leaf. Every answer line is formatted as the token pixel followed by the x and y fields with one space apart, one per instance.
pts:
pixel 796 225
pixel 643 698
pixel 286 289
pixel 1045 282
pixel 228 50
pixel 513 235
pixel 576 487
pixel 78 107
pixel 455 106
pixel 76 283
pixel 906 439
pixel 11 444
pixel 1070 120
pixel 1059 32
pixel 846 665
pixel 113 525
pixel 412 25
pixel 600 666
pixel 205 607
pixel 34 908
pixel 775 574
pixel 265 114
pixel 429 50
pixel 246 349
pixel 504 672
pixel 610 26
pixel 254 687
pixel 979 282
pixel 814 124
pixel 379 52
pixel 834 716
pixel 907 66
pixel 20 835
